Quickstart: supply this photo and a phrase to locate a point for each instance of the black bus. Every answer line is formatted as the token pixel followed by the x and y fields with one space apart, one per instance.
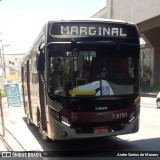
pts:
pixel 80 79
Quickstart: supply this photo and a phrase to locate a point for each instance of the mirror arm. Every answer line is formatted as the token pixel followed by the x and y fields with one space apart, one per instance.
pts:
pixel 42 77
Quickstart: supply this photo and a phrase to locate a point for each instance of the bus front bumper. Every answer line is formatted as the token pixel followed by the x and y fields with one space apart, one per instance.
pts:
pixel 62 132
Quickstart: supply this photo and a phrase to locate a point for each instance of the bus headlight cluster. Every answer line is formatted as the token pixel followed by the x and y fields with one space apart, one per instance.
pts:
pixel 132 116
pixel 134 113
pixel 60 118
pixel 137 101
pixel 55 114
pixel 65 121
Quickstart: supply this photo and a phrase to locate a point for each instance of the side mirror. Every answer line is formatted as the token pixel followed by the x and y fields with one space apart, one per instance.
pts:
pixel 41 46
pixel 40 57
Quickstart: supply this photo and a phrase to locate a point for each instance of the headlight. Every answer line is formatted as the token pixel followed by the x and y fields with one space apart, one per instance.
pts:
pixel 132 116
pixel 65 121
pixel 137 101
pixel 55 114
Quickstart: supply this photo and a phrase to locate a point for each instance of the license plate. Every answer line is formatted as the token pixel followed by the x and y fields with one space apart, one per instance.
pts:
pixel 100 130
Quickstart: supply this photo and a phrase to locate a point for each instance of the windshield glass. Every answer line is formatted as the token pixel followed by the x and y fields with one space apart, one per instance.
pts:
pixel 93 70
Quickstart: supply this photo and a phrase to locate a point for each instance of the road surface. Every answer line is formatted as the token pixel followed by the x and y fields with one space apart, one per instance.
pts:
pixel 147 139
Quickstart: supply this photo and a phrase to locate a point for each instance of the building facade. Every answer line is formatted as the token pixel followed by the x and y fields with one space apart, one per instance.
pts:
pixel 145 63
pixel 12 66
pixel 101 12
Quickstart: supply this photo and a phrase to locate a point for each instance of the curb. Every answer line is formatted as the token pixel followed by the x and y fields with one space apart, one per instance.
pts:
pixel 154 95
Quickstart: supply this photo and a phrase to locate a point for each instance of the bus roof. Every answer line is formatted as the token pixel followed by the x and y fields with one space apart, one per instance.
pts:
pixel 92 20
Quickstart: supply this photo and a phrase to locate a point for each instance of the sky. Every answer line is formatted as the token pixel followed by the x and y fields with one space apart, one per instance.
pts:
pixel 22 20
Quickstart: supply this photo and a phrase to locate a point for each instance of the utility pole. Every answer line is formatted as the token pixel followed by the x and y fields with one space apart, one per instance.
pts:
pixel 1 64
pixel 1 58
pixel 4 63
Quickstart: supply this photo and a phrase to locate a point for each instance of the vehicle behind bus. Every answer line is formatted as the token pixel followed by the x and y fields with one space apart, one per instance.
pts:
pixel 81 79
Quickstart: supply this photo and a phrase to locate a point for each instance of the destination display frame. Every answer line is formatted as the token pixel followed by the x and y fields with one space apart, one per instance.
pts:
pixel 92 29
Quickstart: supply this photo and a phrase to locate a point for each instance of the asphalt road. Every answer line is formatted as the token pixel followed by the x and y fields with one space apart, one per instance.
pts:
pixel 146 140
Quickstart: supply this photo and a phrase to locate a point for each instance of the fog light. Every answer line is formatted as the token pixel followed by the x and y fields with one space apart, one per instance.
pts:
pixel 64 133
pixel 133 128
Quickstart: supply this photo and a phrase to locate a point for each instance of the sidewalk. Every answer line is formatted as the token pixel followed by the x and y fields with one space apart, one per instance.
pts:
pixel 15 125
pixel 3 145
pixel 7 141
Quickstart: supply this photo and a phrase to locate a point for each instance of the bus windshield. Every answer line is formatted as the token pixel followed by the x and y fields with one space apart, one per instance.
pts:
pixel 92 70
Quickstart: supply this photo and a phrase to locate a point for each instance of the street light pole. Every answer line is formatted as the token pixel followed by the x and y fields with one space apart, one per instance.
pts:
pixel 4 63
pixel 1 65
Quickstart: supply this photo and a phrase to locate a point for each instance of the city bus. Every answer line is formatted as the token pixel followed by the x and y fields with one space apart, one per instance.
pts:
pixel 80 79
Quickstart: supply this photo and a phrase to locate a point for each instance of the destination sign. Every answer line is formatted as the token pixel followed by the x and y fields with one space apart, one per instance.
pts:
pixel 88 29
pixel 92 31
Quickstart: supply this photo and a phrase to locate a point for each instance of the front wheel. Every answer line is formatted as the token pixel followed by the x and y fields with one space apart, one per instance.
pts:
pixel 44 134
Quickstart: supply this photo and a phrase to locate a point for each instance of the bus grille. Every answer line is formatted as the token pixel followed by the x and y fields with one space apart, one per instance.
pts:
pixel 100 105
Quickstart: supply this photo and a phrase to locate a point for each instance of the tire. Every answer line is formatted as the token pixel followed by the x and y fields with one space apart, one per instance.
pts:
pixel 158 104
pixel 43 134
